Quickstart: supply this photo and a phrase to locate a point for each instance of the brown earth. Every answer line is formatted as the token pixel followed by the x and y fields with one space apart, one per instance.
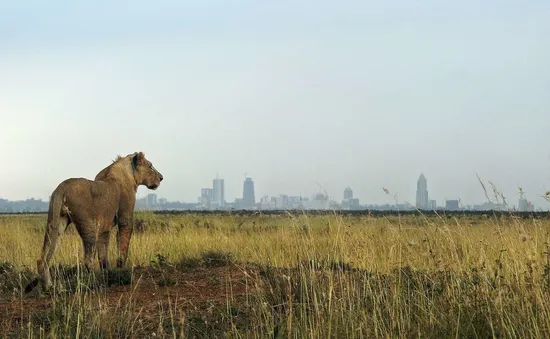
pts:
pixel 203 293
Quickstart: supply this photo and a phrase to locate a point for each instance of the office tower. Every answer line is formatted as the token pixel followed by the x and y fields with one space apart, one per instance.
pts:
pixel 422 193
pixel 206 198
pixel 218 194
pixel 348 193
pixel 249 199
pixel 151 200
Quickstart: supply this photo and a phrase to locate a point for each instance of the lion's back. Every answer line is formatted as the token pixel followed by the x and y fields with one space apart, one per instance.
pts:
pixel 81 194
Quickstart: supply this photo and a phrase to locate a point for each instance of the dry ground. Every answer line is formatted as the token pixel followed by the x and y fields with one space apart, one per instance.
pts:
pixel 200 293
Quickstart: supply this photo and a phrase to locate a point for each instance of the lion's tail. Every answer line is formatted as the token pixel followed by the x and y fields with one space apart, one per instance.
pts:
pixel 56 203
pixel 54 212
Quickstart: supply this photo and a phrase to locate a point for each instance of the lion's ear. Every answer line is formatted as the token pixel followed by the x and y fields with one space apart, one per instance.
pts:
pixel 137 159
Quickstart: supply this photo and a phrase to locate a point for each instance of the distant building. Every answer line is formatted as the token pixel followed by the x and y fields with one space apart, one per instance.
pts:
pixel 451 205
pixel 525 206
pixel 281 202
pixel 490 206
pixel 218 193
pixel 348 193
pixel 320 201
pixel 206 198
pixel 349 203
pixel 432 205
pixel 295 202
pixel 249 199
pixel 422 193
pixel 237 204
pixel 151 200
pixel 266 203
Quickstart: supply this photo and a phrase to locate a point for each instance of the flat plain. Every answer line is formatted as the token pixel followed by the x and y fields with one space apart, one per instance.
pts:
pixel 294 274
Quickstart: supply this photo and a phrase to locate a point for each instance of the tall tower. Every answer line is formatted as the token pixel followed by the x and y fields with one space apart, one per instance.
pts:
pixel 348 193
pixel 422 193
pixel 218 194
pixel 206 197
pixel 249 199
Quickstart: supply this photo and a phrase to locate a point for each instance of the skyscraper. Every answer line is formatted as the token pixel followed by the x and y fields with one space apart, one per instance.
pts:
pixel 422 193
pixel 206 197
pixel 348 193
pixel 349 203
pixel 218 194
pixel 151 200
pixel 249 199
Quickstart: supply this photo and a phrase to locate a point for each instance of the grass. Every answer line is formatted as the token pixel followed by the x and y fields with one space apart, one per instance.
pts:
pixel 290 275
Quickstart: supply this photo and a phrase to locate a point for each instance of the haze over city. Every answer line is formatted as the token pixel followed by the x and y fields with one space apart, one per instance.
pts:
pixel 302 96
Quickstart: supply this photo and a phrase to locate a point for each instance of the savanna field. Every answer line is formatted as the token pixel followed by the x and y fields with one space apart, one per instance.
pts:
pixel 290 275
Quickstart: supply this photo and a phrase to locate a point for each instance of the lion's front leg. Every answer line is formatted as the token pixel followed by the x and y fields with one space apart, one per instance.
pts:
pixel 125 229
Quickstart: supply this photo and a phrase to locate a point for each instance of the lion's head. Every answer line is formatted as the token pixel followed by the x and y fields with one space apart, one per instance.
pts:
pixel 144 171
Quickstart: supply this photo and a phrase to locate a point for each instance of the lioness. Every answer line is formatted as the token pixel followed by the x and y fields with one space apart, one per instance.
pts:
pixel 95 207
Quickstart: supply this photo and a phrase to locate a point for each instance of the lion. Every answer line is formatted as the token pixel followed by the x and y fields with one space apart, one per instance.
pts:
pixel 95 207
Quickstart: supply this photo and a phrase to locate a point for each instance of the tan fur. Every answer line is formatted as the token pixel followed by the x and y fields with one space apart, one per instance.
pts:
pixel 95 207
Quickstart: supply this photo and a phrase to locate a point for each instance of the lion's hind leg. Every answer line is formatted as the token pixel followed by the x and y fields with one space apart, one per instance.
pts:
pixel 53 231
pixel 103 249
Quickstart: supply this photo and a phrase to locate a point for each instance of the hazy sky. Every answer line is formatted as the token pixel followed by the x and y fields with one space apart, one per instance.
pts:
pixel 301 95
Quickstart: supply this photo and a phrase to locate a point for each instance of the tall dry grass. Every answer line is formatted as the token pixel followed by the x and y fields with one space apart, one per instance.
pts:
pixel 333 276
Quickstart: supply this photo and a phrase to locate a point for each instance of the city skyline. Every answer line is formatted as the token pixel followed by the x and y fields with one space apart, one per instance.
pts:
pixel 215 196
pixel 213 199
pixel 349 201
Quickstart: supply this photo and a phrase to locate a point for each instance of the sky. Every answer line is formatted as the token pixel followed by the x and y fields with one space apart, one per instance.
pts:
pixel 302 96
